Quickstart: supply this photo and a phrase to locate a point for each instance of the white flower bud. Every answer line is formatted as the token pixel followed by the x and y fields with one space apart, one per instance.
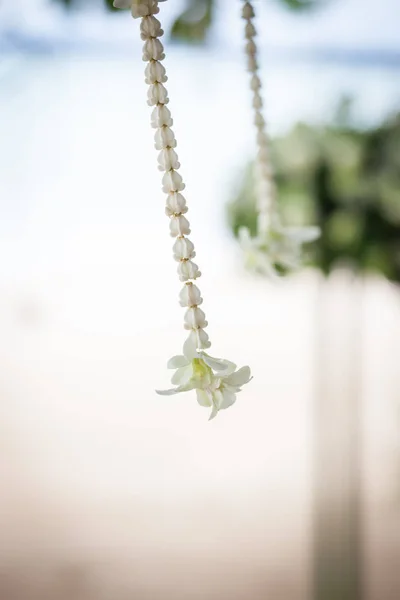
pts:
pixel 172 182
pixel 190 295
pixel 164 138
pixel 247 11
pixel 183 249
pixel 259 119
pixel 250 31
pixel 251 48
pixel 143 8
pixel 161 116
pixel 157 94
pixel 168 159
pixel 153 50
pixel 155 72
pixel 262 139
pixel 150 27
pixel 255 83
pixel 252 64
pixel 176 204
pixel 257 101
pixel 199 338
pixel 263 154
pixel 188 269
pixel 179 225
pixel 195 318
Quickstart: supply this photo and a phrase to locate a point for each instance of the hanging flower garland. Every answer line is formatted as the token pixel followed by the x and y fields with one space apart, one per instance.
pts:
pixel 275 248
pixel 215 380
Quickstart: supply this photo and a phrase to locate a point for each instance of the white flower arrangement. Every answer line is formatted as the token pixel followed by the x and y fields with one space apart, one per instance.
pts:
pixel 275 248
pixel 216 381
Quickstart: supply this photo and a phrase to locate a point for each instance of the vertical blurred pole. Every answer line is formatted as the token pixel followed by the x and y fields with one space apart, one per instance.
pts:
pixel 337 564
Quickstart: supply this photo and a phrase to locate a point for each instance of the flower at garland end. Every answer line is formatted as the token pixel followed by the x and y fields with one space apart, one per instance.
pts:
pixel 215 380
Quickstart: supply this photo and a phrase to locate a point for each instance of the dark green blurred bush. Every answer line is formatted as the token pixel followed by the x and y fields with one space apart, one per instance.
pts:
pixel 345 180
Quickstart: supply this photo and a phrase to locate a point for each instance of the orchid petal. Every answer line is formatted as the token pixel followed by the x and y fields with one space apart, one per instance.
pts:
pixel 214 413
pixel 177 390
pixel 189 349
pixel 302 235
pixel 218 364
pixel 182 375
pixel 240 377
pixel 229 398
pixel 203 398
pixel 218 398
pixel 244 237
pixel 176 362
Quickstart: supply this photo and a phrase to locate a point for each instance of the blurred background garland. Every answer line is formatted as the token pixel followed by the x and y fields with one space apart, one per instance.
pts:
pixel 344 179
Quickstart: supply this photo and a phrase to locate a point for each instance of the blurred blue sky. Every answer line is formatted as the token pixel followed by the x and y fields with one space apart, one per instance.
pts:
pixel 369 27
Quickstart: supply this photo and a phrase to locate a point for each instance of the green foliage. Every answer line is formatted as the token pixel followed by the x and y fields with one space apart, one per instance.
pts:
pixel 193 24
pixel 345 180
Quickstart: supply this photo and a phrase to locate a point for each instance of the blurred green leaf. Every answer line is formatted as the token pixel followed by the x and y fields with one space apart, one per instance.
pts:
pixel 109 4
pixel 300 4
pixel 193 24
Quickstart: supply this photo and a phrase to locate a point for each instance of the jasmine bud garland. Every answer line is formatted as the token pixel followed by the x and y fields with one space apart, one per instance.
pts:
pixel 216 381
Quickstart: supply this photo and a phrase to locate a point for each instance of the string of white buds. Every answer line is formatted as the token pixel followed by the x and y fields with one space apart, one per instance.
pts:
pixel 168 163
pixel 215 380
pixel 266 189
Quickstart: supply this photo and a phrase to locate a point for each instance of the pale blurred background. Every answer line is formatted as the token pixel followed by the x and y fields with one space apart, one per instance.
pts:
pixel 108 490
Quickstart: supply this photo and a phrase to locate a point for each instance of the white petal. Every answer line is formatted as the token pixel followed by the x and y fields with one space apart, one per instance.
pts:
pixel 177 361
pixel 203 398
pixel 244 237
pixel 218 364
pixel 182 375
pixel 240 377
pixel 190 349
pixel 218 398
pixel 177 390
pixel 229 398
pixel 302 235
pixel 214 413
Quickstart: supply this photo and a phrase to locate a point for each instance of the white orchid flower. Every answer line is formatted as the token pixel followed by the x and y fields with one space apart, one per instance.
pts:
pixel 221 393
pixel 215 380
pixel 276 250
